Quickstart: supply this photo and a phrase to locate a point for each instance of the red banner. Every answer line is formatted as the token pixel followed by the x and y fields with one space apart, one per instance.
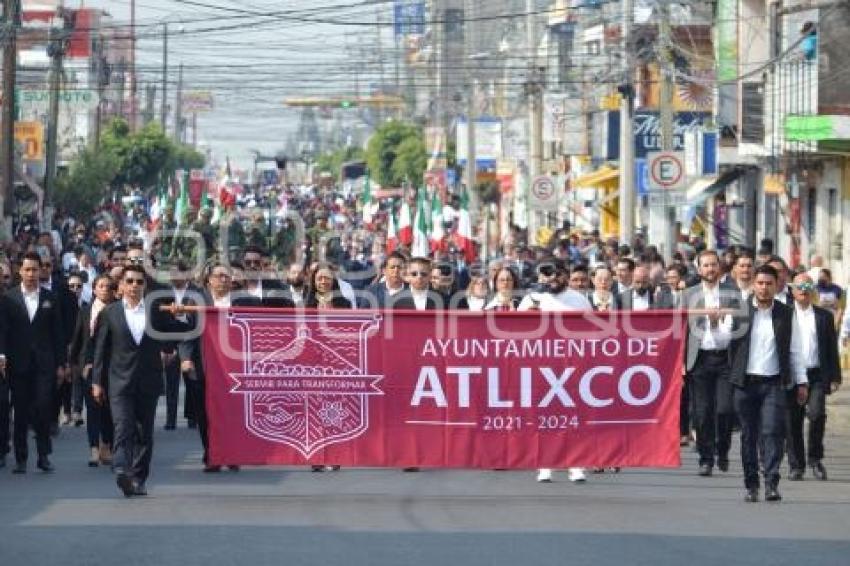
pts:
pixel 443 389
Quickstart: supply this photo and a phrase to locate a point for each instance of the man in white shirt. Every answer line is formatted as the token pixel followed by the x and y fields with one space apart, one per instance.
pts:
pixel 761 372
pixel 742 272
pixel 814 359
pixel 707 364
pixel 783 293
pixel 557 298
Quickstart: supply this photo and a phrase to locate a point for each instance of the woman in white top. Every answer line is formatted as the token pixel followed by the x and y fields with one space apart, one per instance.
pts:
pixel 476 294
pixel 506 284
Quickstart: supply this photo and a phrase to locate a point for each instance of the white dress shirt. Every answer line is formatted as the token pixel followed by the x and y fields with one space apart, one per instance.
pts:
pixel 222 302
pixel 420 299
pixel 804 343
pixel 784 297
pixel 718 337
pixel 31 301
pixel 764 357
pixel 567 300
pixel 640 303
pixel 136 320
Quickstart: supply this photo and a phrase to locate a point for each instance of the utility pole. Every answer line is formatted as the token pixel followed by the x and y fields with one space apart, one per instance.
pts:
pixel 178 108
pixel 11 23
pixel 195 130
pixel 102 79
pixel 163 116
pixel 535 109
pixel 150 97
pixel 663 219
pixel 471 157
pixel 627 141
pixel 56 48
pixel 133 84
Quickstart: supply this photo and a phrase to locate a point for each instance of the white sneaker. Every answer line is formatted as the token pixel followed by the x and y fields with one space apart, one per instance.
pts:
pixel 577 475
pixel 544 475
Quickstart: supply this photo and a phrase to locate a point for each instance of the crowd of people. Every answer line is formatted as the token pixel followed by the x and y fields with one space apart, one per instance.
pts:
pixel 762 349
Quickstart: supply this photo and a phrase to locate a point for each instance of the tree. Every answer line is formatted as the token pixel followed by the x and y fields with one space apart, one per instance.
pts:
pixel 331 161
pixel 142 156
pixel 87 183
pixel 383 148
pixel 411 159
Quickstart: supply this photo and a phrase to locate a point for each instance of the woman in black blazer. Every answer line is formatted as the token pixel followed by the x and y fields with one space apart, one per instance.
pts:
pixel 323 291
pixel 81 351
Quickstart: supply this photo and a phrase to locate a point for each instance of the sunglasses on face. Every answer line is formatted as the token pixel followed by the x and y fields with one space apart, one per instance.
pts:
pixel 419 274
pixel 75 286
pixel 133 281
pixel 805 287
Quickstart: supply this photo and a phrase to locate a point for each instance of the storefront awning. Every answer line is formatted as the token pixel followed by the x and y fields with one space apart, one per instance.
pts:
pixel 704 188
pixel 606 177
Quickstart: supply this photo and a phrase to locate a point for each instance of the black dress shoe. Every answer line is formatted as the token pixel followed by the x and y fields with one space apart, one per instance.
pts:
pixel 317 468
pixel 795 475
pixel 20 468
pixel 704 470
pixel 233 468
pixel 125 484
pixel 411 469
pixel 772 494
pixel 209 469
pixel 752 495
pixel 818 471
pixel 723 465
pixel 2 462
pixel 44 465
pixel 170 427
pixel 139 489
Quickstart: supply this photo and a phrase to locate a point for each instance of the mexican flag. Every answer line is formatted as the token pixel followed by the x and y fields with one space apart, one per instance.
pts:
pixel 182 205
pixel 463 236
pixel 370 204
pixel 392 232
pixel 437 231
pixel 421 243
pixel 405 223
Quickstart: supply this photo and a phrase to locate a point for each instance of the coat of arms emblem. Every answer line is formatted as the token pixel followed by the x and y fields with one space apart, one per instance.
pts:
pixel 305 379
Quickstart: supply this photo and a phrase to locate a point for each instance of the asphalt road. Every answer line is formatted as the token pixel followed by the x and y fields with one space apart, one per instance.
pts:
pixel 290 516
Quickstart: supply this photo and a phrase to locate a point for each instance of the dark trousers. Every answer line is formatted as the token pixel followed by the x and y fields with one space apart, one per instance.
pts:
pixel 760 405
pixel 685 409
pixel 133 416
pixel 815 409
pixel 714 412
pixel 78 391
pixel 172 391
pixel 195 390
pixel 99 427
pixel 33 398
pixel 5 410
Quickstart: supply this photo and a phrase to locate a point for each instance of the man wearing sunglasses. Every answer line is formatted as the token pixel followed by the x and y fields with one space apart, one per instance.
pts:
pixel 814 359
pixel 554 296
pixel 419 295
pixel 130 359
pixel 270 291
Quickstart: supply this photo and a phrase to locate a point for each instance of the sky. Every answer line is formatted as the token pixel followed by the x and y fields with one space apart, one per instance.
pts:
pixel 255 64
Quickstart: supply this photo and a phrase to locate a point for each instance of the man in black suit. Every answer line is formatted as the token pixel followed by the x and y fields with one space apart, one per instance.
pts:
pixel 130 358
pixel 640 296
pixel 271 291
pixel 180 293
pixel 217 294
pixel 418 296
pixel 814 357
pixel 379 294
pixel 707 363
pixel 761 373
pixel 33 354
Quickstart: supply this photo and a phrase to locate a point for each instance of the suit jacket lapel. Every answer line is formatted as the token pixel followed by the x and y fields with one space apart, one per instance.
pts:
pixel 127 332
pixel 19 298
